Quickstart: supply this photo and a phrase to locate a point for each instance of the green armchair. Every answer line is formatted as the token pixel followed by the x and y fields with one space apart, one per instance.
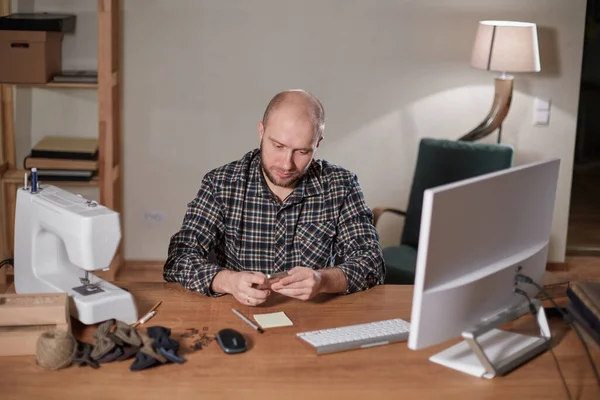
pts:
pixel 439 162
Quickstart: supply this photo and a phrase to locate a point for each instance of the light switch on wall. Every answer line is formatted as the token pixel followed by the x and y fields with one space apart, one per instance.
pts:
pixel 541 111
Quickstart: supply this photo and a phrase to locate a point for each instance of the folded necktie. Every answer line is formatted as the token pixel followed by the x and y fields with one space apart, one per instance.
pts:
pixel 104 344
pixel 146 357
pixel 163 343
pixel 128 352
pixel 127 334
pixel 112 355
pixel 84 355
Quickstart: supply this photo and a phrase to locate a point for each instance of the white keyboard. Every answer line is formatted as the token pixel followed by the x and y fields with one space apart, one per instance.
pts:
pixel 359 336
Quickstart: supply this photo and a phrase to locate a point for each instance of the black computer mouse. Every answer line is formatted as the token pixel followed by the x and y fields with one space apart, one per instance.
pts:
pixel 231 341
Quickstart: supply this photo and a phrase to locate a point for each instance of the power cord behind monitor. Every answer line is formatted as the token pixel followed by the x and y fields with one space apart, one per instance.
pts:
pixel 566 317
pixel 533 311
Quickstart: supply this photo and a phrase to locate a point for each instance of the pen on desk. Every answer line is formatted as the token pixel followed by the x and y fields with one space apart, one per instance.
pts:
pixel 246 320
pixel 147 317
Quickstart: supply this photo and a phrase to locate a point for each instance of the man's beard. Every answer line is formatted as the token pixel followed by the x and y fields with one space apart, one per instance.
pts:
pixel 291 181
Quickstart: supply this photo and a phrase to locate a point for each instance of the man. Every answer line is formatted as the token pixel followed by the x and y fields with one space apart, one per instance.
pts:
pixel 278 209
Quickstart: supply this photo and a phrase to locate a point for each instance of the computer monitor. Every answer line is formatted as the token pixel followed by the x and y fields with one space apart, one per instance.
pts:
pixel 476 235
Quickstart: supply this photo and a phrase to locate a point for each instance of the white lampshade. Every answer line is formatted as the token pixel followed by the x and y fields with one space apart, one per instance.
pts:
pixel 506 46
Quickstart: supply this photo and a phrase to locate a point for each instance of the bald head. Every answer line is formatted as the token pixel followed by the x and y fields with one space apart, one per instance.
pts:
pixel 302 104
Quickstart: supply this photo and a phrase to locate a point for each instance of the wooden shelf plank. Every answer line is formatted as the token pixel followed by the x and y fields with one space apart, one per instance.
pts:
pixel 58 85
pixel 17 176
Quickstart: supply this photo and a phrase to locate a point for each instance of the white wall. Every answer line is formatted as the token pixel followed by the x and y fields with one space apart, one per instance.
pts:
pixel 198 74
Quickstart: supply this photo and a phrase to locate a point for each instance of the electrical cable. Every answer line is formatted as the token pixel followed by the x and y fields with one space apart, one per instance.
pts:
pixel 566 317
pixel 533 311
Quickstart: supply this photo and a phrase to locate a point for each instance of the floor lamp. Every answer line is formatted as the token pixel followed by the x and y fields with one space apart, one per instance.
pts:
pixel 505 47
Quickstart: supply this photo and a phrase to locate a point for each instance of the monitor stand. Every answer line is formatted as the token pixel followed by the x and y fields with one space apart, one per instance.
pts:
pixel 487 352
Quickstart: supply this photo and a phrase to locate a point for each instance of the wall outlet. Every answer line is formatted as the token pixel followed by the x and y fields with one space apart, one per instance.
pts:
pixel 541 111
pixel 154 216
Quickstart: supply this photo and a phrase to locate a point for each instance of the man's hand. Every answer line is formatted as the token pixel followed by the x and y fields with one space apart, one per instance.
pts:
pixel 305 283
pixel 240 285
pixel 301 283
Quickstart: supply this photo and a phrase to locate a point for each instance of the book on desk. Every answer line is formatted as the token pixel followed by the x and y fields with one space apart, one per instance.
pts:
pixel 584 307
pixel 76 76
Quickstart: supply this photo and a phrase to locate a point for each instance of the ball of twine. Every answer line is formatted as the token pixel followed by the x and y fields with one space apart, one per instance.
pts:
pixel 55 349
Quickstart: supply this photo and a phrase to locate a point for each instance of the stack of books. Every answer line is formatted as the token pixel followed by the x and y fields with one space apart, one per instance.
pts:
pixel 61 158
pixel 584 306
pixel 76 76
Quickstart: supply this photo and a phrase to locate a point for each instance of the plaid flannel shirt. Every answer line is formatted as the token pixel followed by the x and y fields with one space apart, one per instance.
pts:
pixel 236 217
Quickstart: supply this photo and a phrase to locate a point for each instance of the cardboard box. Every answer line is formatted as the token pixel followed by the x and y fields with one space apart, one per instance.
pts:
pixel 30 56
pixel 23 318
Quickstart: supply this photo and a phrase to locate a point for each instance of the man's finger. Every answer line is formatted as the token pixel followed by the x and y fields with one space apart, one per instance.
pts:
pixel 275 280
pixel 291 292
pixel 294 285
pixel 257 293
pixel 243 299
pixel 255 277
pixel 295 276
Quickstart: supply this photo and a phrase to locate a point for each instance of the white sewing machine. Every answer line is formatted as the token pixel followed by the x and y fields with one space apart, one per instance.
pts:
pixel 59 238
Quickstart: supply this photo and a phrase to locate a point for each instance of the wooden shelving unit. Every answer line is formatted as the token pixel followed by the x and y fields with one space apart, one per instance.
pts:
pixel 109 177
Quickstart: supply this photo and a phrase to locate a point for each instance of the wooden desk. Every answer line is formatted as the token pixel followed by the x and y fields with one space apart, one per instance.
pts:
pixel 279 366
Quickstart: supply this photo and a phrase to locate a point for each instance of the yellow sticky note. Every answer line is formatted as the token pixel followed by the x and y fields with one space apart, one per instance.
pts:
pixel 272 320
